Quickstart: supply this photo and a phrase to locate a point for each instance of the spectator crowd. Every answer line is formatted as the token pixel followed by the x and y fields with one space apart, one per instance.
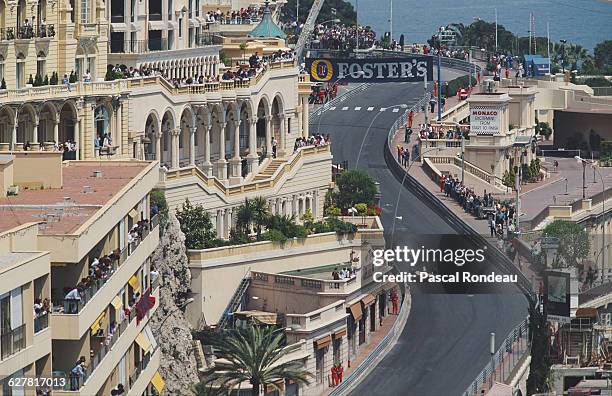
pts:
pixel 314 140
pixel 342 37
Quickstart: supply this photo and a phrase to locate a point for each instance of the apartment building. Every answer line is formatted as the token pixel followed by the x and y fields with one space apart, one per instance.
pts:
pixel 290 285
pixel 78 236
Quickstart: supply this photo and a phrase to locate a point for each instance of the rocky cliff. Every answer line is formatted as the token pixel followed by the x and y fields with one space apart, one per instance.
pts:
pixel 178 365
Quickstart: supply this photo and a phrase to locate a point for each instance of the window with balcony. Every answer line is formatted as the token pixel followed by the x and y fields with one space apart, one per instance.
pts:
pixel 102 123
pixel 117 11
pixel 117 42
pixel 12 328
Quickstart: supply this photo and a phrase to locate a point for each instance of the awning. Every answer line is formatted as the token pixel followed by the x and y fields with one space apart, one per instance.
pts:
pixel 586 313
pixel 149 334
pixel 134 283
pixel 158 382
pixel 520 141
pixel 117 303
pixel 322 342
pixel 340 333
pixel 97 323
pixel 368 300
pixel 133 213
pixel 143 341
pixel 356 311
pixel 118 27
pixel 269 318
pixel 157 25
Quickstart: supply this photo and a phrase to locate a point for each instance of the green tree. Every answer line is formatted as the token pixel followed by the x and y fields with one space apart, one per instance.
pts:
pixel 574 243
pixel 603 54
pixel 539 369
pixel 252 354
pixel 261 212
pixel 245 216
pixel 354 186
pixel 196 225
pixel 73 77
pixel 158 201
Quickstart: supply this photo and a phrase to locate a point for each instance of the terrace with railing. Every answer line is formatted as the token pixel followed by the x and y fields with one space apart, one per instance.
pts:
pixel 117 87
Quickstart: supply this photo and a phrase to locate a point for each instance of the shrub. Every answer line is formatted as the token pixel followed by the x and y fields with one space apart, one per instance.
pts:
pixel 196 225
pixel 46 80
pixel 354 186
pixel 31 80
pixel 275 236
pixel 361 208
pixel 54 80
pixel 333 211
pixel 3 84
pixel 73 77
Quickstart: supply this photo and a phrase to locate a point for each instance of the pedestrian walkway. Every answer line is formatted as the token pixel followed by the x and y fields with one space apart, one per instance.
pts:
pixel 364 350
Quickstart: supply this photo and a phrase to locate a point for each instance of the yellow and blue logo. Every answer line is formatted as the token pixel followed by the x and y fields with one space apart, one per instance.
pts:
pixel 321 70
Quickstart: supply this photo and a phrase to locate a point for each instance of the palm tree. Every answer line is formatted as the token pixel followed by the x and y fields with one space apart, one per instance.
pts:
pixel 253 354
pixel 245 216
pixel 261 212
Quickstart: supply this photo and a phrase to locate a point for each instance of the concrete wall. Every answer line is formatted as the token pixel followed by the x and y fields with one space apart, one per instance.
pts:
pixel 37 169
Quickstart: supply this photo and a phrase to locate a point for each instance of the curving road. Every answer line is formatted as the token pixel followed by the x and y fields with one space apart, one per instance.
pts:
pixel 445 343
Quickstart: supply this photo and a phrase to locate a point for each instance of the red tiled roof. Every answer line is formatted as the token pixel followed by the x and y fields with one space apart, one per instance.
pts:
pixel 75 177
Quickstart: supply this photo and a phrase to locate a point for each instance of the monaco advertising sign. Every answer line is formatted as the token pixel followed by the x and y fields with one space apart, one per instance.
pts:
pixel 407 69
pixel 485 120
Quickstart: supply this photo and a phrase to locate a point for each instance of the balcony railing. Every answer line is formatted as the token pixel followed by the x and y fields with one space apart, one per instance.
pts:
pixel 75 306
pixel 155 17
pixel 27 32
pixel 41 322
pixel 12 341
pixel 75 382
pixel 117 18
pixel 140 367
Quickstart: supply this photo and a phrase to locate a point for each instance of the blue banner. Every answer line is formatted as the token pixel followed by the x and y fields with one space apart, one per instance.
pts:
pixel 373 70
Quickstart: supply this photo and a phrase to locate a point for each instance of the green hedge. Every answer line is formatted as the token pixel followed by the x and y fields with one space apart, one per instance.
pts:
pixel 457 84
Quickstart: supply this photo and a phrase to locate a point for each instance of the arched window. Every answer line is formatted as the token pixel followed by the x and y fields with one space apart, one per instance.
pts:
pixel 20 80
pixel 101 121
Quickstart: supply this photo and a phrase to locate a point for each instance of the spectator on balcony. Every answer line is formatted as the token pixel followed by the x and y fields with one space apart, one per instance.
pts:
pixel 335 274
pixel 66 82
pixel 42 29
pixel 87 76
pixel 72 300
pixel 77 375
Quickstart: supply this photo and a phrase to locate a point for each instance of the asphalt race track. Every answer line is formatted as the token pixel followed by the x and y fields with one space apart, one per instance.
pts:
pixel 445 343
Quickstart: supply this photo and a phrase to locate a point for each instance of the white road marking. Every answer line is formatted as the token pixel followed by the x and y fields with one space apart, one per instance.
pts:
pixel 357 108
pixel 383 109
pixel 370 108
pixel 332 108
pixel 396 110
pixel 345 108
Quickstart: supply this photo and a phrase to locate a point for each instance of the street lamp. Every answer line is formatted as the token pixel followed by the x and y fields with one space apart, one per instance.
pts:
pixel 356 74
pixel 399 194
pixel 603 207
pixel 401 106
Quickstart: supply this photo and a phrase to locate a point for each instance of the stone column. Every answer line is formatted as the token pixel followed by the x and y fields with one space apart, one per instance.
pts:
pixel 192 135
pixel 157 136
pixel 220 221
pixel 213 220
pixel 236 161
pixel 268 136
pixel 305 116
pixel 207 166
pixel 252 157
pixel 228 222
pixel 281 149
pixel 14 135
pixel 56 131
pixel 175 133
pixel 315 204
pixel 221 162
pixel 34 142
pixel 77 137
pixel 118 138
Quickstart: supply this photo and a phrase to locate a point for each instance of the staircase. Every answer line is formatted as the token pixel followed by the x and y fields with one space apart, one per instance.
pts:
pixel 235 302
pixel 306 33
pixel 269 170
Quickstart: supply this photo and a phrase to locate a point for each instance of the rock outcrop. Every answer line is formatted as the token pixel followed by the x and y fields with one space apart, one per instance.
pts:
pixel 178 364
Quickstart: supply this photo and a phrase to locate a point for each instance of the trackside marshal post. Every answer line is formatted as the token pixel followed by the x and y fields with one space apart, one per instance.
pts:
pixel 384 70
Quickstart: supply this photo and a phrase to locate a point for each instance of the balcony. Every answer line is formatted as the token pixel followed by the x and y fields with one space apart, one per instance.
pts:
pixel 314 283
pixel 144 372
pixel 41 322
pixel 27 32
pixel 73 317
pixel 109 355
pixel 12 341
